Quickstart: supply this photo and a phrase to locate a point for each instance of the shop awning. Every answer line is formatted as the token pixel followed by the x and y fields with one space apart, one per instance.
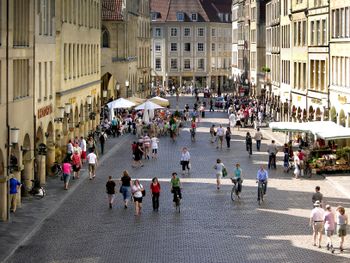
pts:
pixel 160 101
pixel 326 130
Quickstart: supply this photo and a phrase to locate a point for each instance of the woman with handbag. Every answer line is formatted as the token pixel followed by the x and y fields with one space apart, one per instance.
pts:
pixel 219 167
pixel 125 188
pixel 137 192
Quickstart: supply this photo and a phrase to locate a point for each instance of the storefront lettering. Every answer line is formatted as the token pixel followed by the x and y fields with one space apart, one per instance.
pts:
pixel 44 111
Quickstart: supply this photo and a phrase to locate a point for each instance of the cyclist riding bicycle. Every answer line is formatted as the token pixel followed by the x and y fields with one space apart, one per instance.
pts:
pixel 261 178
pixel 175 187
pixel 237 173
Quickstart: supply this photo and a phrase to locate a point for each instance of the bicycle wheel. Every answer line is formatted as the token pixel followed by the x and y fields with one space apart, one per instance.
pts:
pixel 178 205
pixel 233 193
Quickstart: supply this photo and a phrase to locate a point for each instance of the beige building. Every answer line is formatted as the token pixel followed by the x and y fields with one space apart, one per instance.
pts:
pixel 17 109
pixel 125 50
pixel 191 43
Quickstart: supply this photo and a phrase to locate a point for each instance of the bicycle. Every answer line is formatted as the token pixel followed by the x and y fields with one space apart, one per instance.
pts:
pixel 177 200
pixel 235 189
pixel 261 186
pixel 56 170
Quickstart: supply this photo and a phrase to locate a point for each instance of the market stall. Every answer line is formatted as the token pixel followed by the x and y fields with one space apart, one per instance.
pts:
pixel 322 154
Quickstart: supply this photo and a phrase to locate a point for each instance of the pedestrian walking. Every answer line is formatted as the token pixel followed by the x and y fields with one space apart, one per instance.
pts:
pixel 92 161
pixel 125 188
pixel 146 145
pixel 137 190
pixel 317 196
pixel 66 170
pixel 14 187
pixel 249 143
pixel 218 167
pixel 272 151
pixel 138 155
pixel 77 164
pixel 329 227
pixel 110 189
pixel 83 147
pixel 238 175
pixel 258 137
pixel 296 166
pixel 228 136
pixel 220 133
pixel 232 120
pixel 102 139
pixel 185 160
pixel 342 221
pixel 154 145
pixel 69 148
pixel 155 190
pixel 316 221
pixel 212 133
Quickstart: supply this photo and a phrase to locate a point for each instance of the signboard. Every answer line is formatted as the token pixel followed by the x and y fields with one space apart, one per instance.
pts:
pixel 44 111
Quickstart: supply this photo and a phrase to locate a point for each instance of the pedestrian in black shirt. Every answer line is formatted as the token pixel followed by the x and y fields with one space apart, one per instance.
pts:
pixel 110 189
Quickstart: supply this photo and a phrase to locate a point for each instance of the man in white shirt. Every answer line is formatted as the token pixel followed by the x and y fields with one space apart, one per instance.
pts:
pixel 154 145
pixel 316 220
pixel 232 120
pixel 92 161
pixel 220 133
pixel 83 149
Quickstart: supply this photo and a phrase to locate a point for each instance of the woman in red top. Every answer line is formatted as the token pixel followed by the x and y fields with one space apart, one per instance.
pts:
pixel 76 161
pixel 155 190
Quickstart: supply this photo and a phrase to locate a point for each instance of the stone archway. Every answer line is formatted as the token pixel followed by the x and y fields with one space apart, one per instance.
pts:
pixel 304 115
pixel 76 122
pixel 81 120
pixel 342 118
pixel 311 113
pixel 333 115
pixel 299 112
pixel 50 158
pixel 39 158
pixel 27 162
pixel 318 114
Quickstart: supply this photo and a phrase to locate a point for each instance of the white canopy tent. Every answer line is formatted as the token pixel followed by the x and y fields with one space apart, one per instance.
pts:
pixel 120 103
pixel 148 108
pixel 160 101
pixel 326 130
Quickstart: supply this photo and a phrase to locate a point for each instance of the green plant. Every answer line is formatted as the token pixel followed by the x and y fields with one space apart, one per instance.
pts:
pixel 266 69
pixel 343 152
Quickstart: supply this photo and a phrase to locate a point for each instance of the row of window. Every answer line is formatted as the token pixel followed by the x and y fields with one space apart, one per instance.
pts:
pixel 187 47
pixel 318 32
pixel 300 33
pixel 272 12
pixel 80 60
pixel 21 23
pixel 286 36
pixel 341 22
pixel 187 64
pixel 285 78
pixel 21 78
pixel 45 80
pixel 300 76
pixel 187 32
pixel 318 75
pixel 46 13
pixel 81 12
pixel 143 57
pixel 340 71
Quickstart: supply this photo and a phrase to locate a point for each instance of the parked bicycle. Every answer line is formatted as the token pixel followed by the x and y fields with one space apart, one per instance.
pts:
pixel 56 170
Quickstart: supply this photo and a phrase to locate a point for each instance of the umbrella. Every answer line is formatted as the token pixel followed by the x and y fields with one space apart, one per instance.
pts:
pixel 148 105
pixel 160 101
pixel 120 104
pixel 136 100
pixel 146 116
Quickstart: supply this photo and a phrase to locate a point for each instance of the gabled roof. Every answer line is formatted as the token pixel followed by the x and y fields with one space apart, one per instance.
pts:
pixel 111 10
pixel 207 10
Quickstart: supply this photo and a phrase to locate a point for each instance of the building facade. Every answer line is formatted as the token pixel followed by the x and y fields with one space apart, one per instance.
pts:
pixel 191 43
pixel 50 85
pixel 125 50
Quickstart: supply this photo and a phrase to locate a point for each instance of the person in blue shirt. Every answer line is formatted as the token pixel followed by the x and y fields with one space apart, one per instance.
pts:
pixel 14 186
pixel 262 177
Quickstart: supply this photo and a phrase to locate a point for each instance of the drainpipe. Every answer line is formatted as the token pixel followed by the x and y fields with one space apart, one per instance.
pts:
pixel 7 110
pixel 33 106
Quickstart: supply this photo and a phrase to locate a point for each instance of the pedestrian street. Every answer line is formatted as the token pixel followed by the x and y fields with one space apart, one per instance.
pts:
pixel 210 228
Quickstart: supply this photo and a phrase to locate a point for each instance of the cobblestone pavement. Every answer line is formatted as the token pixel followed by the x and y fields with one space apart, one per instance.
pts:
pixel 210 227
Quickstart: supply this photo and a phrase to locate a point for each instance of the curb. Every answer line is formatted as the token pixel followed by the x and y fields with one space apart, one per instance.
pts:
pixel 84 177
pixel 337 186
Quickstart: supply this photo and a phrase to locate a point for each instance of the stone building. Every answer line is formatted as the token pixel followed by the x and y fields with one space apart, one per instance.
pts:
pixel 50 84
pixel 125 37
pixel 191 43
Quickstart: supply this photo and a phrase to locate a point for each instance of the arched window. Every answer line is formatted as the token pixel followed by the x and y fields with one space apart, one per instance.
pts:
pixel 105 37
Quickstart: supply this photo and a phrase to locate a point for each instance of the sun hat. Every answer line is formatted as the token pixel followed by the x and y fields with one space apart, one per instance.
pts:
pixel 317 203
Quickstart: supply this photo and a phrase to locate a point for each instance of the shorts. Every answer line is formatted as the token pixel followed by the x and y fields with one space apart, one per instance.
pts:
pixel 76 168
pixel 155 151
pixel 218 176
pixel 83 155
pixel 318 227
pixel 328 232
pixel 92 168
pixel 341 230
pixel 125 191
pixel 66 178
pixel 138 199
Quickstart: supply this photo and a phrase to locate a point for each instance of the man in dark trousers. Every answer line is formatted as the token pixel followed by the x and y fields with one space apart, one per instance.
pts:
pixel 211 105
pixel 102 139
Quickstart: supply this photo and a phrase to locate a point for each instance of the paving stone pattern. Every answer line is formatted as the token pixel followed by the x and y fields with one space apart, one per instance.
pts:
pixel 210 227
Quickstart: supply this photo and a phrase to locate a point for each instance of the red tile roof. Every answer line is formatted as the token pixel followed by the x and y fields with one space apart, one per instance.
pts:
pixel 111 10
pixel 207 10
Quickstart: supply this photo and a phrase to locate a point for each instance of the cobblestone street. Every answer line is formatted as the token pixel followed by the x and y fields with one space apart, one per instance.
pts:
pixel 210 227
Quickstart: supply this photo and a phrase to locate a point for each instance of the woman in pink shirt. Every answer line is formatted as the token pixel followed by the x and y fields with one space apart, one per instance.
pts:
pixel 329 227
pixel 66 169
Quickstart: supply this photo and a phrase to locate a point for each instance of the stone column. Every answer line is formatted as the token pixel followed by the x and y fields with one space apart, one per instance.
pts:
pixel 3 198
pixel 50 158
pixel 28 173
pixel 42 169
pixel 17 175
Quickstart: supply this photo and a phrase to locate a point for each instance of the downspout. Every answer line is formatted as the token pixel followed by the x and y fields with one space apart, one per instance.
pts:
pixel 34 116
pixel 329 58
pixel 7 109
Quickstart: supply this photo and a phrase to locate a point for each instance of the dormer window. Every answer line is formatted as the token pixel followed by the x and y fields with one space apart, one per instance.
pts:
pixel 155 16
pixel 221 17
pixel 180 16
pixel 194 16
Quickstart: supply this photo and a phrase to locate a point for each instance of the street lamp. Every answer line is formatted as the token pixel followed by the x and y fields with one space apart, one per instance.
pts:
pixel 127 87
pixel 117 88
pixel 67 108
pixel 60 114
